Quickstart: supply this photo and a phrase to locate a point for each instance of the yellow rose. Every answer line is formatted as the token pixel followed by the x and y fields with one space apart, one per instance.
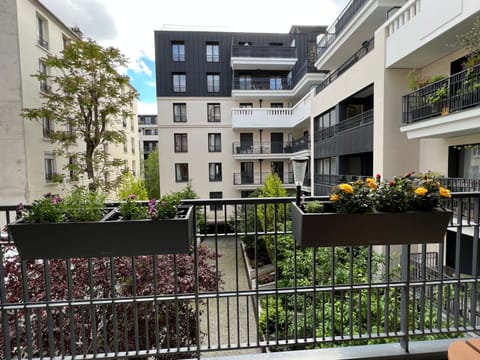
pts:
pixel 346 188
pixel 372 183
pixel 334 197
pixel 420 191
pixel 444 192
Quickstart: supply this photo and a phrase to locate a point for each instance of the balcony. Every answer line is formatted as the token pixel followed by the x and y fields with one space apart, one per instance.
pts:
pixel 258 179
pixel 270 150
pixel 272 118
pixel 422 32
pixel 150 306
pixel 449 107
pixel 356 24
pixel 263 57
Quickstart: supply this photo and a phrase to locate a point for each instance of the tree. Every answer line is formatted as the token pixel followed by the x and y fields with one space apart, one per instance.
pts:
pixel 87 100
pixel 129 185
pixel 152 175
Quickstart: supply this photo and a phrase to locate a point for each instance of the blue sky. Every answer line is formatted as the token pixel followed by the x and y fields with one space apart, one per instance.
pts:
pixel 130 26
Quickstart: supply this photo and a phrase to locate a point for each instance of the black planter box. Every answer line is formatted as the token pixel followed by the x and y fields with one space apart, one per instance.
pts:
pixel 103 238
pixel 331 229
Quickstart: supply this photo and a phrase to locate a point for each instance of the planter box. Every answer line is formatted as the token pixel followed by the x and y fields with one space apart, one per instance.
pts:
pixel 103 238
pixel 331 229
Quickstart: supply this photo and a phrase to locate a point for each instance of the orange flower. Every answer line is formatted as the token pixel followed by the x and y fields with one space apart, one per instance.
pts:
pixel 372 183
pixel 334 197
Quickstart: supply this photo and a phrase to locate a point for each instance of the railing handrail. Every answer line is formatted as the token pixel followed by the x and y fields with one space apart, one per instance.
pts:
pixel 262 51
pixel 353 122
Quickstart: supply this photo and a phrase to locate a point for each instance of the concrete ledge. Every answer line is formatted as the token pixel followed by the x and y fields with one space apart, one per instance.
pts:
pixel 421 350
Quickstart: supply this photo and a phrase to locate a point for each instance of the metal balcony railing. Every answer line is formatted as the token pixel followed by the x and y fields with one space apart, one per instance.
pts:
pixel 288 52
pixel 244 285
pixel 258 178
pixel 267 147
pixel 454 93
pixel 262 83
pixel 345 17
pixel 367 46
pixel 353 122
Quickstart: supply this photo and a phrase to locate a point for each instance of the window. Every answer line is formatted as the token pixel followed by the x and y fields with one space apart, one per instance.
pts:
pixel 179 82
pixel 47 126
pixel 178 51
pixel 65 40
pixel 213 112
pixel 213 51
pixel 179 112
pixel 216 195
pixel 215 171
pixel 213 83
pixel 275 82
pixel 181 143
pixel 134 168
pixel 214 142
pixel 43 70
pixel 276 105
pixel 181 172
pixel 245 82
pixel 50 167
pixel 246 105
pixel 132 141
pixel 124 122
pixel 42 32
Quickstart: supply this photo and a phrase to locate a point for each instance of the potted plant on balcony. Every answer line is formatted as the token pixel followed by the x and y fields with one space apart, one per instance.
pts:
pixel 406 210
pixel 80 226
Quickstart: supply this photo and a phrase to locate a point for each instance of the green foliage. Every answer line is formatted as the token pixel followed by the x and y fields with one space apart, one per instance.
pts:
pixel 89 99
pixel 167 206
pixel 133 210
pixel 129 185
pixel 152 175
pixel 314 206
pixel 353 198
pixel 439 94
pixel 470 40
pixel 79 205
pixel 416 80
pixel 84 205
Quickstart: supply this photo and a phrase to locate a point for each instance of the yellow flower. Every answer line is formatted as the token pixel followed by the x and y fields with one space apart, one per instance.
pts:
pixel 346 188
pixel 372 183
pixel 334 197
pixel 421 191
pixel 444 192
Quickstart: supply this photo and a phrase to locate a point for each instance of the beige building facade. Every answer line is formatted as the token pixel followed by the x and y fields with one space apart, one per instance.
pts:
pixel 27 158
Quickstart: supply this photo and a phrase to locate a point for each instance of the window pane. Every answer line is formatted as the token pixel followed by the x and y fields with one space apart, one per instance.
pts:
pixel 215 171
pixel 213 82
pixel 213 51
pixel 181 172
pixel 178 51
pixel 179 112
pixel 214 142
pixel 213 112
pixel 179 83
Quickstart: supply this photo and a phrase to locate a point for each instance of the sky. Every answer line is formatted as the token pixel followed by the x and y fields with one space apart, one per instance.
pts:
pixel 130 25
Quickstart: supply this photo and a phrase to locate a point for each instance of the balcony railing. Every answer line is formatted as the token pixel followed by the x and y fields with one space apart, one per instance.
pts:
pixel 367 46
pixel 258 178
pixel 345 17
pixel 353 122
pixel 208 300
pixel 258 148
pixel 264 51
pixel 261 83
pixel 457 92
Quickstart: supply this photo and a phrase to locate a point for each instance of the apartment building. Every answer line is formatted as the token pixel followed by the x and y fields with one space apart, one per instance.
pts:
pixel 366 118
pixel 233 107
pixel 147 133
pixel 27 158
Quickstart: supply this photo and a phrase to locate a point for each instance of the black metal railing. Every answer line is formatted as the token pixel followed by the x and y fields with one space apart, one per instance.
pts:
pixel 266 147
pixel 345 17
pixel 353 122
pixel 258 178
pixel 288 52
pixel 454 93
pixel 262 83
pixel 367 46
pixel 245 285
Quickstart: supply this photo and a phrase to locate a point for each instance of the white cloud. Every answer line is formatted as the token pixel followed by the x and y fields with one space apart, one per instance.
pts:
pixel 145 108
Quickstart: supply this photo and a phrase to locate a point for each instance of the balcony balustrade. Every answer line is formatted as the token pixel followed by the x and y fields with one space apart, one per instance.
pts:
pixel 353 122
pixel 265 147
pixel 258 178
pixel 282 298
pixel 458 92
pixel 261 83
pixel 264 51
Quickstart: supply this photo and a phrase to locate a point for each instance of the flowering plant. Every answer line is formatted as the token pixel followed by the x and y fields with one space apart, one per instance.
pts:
pixel 405 193
pixel 132 210
pixel 80 205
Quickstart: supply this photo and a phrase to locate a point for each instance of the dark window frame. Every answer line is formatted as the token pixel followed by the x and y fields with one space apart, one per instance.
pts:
pixel 179 82
pixel 181 114
pixel 180 141
pixel 181 172
pixel 213 82
pixel 214 142
pixel 178 51
pixel 215 171
pixel 214 112
pixel 212 49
